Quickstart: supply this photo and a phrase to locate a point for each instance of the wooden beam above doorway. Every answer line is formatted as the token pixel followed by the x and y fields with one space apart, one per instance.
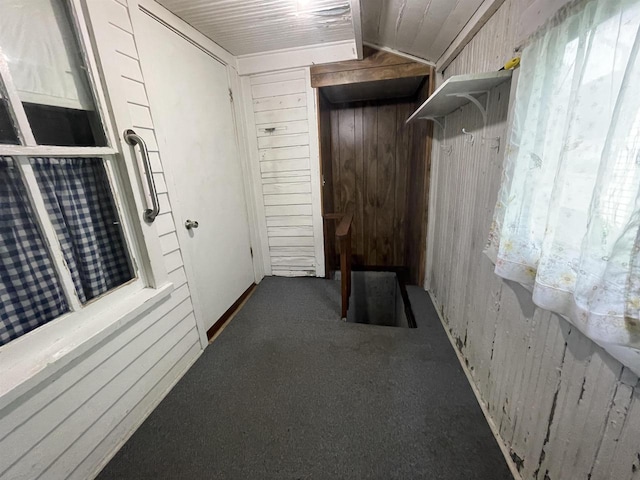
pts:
pixel 375 66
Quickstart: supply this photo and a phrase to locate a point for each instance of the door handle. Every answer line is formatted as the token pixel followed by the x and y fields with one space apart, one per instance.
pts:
pixel 189 224
pixel 132 138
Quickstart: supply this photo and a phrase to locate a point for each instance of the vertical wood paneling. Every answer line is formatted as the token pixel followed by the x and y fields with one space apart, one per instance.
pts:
pixel 373 161
pixel 347 159
pixel 335 158
pixel 358 218
pixel 562 406
pixel 370 180
pixel 402 164
pixel 68 427
pixel 386 184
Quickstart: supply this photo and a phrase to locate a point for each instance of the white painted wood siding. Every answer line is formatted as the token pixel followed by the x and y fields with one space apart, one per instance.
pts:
pixel 70 425
pixel 563 407
pixel 285 142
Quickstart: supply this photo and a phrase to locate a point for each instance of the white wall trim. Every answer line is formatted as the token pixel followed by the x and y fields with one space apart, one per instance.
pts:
pixel 408 56
pixel 296 57
pixel 356 20
pixel 182 28
pixel 494 428
pixel 473 26
pixel 255 176
pixel 316 182
pixel 243 135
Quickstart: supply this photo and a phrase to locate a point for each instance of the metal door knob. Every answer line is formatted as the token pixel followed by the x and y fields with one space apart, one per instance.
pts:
pixel 189 224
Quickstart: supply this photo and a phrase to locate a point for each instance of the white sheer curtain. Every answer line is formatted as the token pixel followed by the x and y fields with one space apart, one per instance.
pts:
pixel 567 221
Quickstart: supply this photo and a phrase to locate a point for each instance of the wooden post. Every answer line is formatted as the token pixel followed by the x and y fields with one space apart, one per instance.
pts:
pixel 344 271
pixel 343 234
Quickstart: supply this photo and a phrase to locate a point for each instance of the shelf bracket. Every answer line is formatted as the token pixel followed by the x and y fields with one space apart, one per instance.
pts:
pixel 443 125
pixel 469 96
pixel 436 121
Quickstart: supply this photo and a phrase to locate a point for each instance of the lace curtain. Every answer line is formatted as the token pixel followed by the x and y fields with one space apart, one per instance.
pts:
pixel 567 221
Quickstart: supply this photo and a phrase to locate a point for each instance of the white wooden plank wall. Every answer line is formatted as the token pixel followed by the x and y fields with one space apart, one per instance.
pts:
pixel 564 408
pixel 71 425
pixel 282 130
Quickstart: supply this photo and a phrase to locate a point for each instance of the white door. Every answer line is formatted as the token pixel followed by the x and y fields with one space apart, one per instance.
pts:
pixel 189 95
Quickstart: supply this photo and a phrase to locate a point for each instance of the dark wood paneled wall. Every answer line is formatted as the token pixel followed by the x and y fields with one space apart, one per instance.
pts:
pixel 376 167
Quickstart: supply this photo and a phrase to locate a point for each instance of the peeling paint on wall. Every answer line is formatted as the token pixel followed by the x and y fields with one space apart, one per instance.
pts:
pixel 562 406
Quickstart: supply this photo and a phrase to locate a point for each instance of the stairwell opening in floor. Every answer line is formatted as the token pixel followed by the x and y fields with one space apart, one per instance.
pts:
pixel 379 298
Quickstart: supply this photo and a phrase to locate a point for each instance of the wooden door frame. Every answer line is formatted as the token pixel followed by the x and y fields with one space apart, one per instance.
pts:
pixel 356 71
pixel 424 239
pixel 328 254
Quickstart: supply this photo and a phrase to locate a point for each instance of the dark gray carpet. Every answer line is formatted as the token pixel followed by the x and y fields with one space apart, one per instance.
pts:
pixel 288 391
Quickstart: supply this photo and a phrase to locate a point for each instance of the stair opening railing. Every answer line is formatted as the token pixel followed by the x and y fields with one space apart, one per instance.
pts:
pixel 343 236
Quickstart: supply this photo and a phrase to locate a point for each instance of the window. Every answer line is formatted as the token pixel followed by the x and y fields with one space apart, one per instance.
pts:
pixel 63 240
pixel 47 70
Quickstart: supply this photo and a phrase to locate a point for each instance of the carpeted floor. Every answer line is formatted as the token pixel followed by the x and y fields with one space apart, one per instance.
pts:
pixel 288 391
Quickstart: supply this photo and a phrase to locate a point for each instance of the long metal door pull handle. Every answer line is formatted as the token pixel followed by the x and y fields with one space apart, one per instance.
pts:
pixel 132 138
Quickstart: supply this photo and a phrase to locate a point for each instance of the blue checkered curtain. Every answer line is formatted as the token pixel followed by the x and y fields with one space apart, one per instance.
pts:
pixel 80 203
pixel 30 294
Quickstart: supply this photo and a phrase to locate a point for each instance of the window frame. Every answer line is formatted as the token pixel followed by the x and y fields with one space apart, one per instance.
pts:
pixel 35 355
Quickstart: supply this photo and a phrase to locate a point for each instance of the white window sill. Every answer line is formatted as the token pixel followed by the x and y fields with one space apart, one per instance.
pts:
pixel 28 360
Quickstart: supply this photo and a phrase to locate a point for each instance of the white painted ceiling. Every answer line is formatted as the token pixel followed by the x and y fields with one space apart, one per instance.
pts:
pixel 253 26
pixel 424 28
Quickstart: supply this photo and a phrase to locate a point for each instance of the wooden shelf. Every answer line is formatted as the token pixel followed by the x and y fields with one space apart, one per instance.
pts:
pixel 458 91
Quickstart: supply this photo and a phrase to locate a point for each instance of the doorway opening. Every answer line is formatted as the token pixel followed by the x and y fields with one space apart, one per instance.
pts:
pixel 372 163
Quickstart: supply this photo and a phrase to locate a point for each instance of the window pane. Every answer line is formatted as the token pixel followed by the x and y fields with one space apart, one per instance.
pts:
pixel 78 197
pixel 47 69
pixel 7 132
pixel 62 126
pixel 30 294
